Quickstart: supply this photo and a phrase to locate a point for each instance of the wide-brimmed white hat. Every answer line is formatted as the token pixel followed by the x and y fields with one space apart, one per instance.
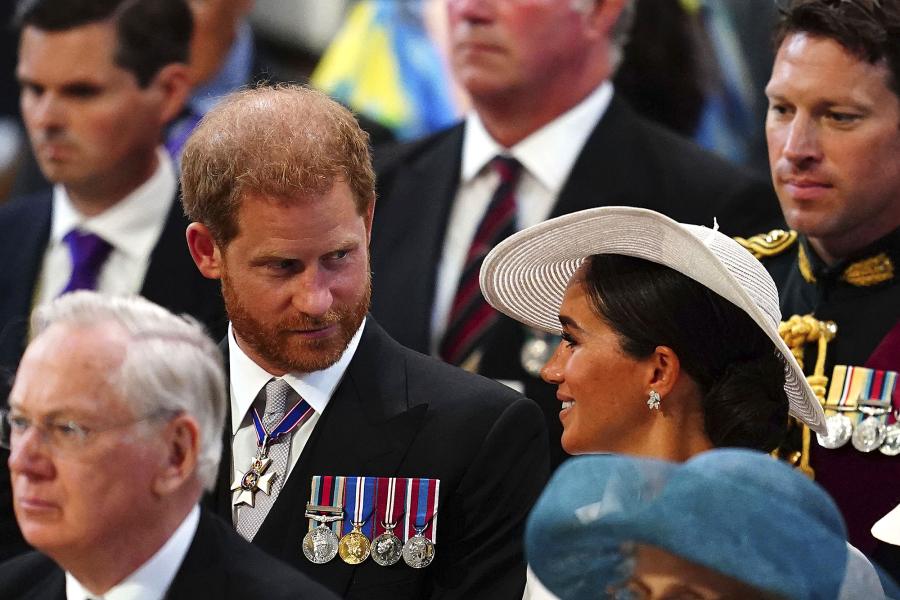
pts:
pixel 525 276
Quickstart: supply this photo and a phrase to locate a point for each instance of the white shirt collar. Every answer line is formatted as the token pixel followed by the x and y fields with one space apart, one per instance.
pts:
pixel 247 378
pixel 565 135
pixel 153 578
pixel 133 225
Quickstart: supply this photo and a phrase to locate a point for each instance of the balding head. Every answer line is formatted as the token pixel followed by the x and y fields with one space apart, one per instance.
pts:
pixel 283 142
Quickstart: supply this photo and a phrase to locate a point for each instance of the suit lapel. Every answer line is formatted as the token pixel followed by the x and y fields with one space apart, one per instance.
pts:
pixel 366 429
pixel 601 176
pixel 410 226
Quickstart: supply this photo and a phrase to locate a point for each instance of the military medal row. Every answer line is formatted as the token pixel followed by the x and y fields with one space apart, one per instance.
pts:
pixel 387 518
pixel 862 407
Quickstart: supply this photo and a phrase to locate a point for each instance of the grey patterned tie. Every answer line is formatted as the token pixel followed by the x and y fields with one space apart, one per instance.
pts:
pixel 278 395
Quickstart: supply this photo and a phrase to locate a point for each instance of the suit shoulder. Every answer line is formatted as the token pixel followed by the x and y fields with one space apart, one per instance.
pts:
pixel 250 572
pixel 22 209
pixel 767 245
pixel 24 573
pixel 390 157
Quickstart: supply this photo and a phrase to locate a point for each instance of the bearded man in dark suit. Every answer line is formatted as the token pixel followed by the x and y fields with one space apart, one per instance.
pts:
pixel 279 184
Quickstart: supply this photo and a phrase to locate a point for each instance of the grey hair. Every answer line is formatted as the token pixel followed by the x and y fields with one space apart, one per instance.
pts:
pixel 621 31
pixel 170 363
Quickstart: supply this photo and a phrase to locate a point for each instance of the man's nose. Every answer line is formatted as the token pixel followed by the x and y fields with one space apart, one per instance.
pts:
pixel 802 141
pixel 312 295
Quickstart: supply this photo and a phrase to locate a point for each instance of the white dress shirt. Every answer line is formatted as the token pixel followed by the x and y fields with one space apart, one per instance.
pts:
pixel 151 580
pixel 248 378
pixel 132 227
pixel 547 157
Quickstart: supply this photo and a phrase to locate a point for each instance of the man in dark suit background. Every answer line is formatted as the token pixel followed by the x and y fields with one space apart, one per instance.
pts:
pixel 538 75
pixel 280 187
pixel 115 427
pixel 100 79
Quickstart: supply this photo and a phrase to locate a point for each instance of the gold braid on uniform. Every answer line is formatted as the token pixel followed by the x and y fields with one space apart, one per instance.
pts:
pixel 868 271
pixel 796 332
pixel 769 244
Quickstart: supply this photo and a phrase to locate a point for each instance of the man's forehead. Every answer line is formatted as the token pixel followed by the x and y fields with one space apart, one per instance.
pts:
pixel 76 52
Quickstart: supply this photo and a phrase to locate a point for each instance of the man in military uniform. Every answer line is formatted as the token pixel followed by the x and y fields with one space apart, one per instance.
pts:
pixel 833 131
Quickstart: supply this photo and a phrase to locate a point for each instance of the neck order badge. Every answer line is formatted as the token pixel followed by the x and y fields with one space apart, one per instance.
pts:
pixel 258 477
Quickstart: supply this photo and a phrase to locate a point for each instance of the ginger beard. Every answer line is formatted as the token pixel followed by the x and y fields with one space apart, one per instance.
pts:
pixel 277 344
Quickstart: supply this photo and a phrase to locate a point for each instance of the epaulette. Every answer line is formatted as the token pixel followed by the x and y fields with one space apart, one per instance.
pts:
pixel 765 245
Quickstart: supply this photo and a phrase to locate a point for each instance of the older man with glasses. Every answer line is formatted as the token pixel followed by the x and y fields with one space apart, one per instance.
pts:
pixel 114 428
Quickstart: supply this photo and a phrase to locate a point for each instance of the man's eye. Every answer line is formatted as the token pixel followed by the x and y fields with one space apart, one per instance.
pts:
pixel 67 429
pixel 19 423
pixel 843 117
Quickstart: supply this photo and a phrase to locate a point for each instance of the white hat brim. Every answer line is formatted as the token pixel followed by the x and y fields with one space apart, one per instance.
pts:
pixel 526 275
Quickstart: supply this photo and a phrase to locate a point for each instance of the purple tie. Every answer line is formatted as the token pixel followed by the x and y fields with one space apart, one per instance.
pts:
pixel 89 252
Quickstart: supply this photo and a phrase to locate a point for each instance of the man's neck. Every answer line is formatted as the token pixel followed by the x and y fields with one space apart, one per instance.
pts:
pixel 512 117
pixel 834 249
pixel 100 567
pixel 93 198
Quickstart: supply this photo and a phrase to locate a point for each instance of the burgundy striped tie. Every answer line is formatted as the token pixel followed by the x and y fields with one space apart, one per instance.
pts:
pixel 471 317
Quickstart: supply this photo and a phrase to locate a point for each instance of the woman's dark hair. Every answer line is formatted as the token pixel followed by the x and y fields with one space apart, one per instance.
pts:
pixel 735 365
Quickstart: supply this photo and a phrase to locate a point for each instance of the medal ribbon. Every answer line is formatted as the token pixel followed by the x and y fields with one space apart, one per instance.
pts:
pixel 287 424
pixel 390 501
pixel 421 508
pixel 359 503
pixel 327 490
pixel 855 384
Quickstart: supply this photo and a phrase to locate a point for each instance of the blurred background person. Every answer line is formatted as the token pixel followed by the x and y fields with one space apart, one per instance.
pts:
pixel 725 524
pixel 96 96
pixel 115 426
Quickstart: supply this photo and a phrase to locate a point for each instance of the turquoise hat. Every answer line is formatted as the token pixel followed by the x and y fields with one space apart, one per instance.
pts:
pixel 738 512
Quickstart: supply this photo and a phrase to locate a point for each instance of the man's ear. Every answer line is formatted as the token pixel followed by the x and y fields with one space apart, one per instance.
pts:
pixel 369 216
pixel 666 370
pixel 174 86
pixel 603 16
pixel 182 447
pixel 204 250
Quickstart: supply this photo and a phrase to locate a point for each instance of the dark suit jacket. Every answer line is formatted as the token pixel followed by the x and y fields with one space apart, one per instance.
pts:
pixel 219 564
pixel 626 160
pixel 399 413
pixel 172 281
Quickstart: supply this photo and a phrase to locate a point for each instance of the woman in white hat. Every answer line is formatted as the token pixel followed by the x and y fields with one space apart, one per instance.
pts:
pixel 670 341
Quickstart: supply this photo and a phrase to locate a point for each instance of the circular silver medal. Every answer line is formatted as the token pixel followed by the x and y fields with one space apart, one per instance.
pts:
pixel 891 445
pixel 320 544
pixel 536 351
pixel 869 435
pixel 418 552
pixel 839 428
pixel 387 549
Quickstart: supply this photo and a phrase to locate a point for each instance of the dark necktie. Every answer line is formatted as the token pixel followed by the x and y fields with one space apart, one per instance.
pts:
pixel 89 251
pixel 471 317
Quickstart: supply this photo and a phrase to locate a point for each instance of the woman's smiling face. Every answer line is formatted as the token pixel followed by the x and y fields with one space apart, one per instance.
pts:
pixel 603 389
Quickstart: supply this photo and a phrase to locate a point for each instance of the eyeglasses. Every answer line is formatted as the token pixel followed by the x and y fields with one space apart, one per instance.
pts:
pixel 64 435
